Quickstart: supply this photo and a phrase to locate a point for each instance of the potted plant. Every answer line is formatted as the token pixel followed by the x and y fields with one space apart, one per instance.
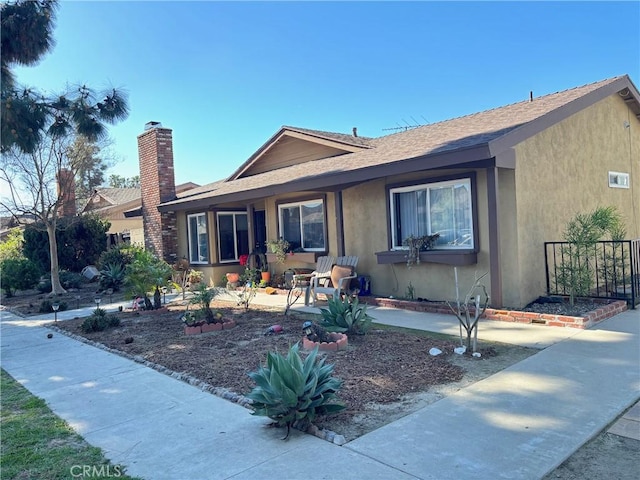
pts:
pixel 279 248
pixel 417 245
pixel 265 274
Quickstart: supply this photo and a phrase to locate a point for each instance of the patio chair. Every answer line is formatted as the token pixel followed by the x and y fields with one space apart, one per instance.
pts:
pixel 323 270
pixel 323 274
pixel 339 282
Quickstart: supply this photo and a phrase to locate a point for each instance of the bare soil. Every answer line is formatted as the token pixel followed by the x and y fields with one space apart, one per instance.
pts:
pixel 387 373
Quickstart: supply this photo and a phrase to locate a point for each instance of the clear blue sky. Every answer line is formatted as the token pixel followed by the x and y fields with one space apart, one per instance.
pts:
pixel 225 76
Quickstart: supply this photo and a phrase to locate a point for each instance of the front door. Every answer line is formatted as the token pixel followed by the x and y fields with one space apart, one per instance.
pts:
pixel 260 230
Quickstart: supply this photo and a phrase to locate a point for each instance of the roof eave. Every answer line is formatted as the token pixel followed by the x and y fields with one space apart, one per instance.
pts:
pixel 529 129
pixel 476 156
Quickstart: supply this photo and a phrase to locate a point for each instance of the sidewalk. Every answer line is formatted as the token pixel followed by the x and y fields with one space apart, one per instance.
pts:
pixel 520 423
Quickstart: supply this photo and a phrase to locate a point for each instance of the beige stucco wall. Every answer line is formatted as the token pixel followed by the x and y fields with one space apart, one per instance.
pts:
pixel 563 171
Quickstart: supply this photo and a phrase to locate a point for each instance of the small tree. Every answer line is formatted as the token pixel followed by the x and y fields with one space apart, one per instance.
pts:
pixel 576 271
pixel 468 312
pixel 147 273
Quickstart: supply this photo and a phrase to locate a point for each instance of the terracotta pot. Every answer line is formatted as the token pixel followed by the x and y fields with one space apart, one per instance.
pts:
pixel 233 277
pixel 339 342
pixel 266 276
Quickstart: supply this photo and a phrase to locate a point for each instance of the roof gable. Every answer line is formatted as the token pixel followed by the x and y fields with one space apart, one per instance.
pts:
pixel 292 145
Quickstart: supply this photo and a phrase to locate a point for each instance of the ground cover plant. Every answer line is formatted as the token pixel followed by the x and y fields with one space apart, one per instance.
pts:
pixel 37 444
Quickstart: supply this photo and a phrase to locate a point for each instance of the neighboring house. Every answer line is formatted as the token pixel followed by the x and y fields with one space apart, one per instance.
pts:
pixel 496 185
pixel 122 208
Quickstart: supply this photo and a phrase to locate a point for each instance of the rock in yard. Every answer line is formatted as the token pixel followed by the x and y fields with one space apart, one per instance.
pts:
pixel 435 351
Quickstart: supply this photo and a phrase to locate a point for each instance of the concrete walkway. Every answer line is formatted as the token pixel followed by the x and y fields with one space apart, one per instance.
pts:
pixel 520 423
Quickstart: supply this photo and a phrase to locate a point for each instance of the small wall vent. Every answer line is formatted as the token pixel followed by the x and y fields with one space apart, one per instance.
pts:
pixel 618 180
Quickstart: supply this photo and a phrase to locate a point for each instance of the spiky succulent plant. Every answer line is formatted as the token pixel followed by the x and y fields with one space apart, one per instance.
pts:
pixel 346 316
pixel 291 390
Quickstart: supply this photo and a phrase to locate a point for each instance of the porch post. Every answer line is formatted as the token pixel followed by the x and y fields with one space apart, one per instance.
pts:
pixel 252 238
pixel 494 236
pixel 339 223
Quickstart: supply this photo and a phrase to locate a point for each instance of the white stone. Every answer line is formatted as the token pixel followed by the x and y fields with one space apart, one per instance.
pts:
pixel 477 354
pixel 460 350
pixel 435 351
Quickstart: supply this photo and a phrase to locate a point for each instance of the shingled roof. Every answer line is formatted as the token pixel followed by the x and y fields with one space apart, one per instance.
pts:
pixel 459 141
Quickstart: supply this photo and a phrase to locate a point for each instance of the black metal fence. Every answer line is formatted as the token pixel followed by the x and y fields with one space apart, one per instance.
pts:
pixel 608 269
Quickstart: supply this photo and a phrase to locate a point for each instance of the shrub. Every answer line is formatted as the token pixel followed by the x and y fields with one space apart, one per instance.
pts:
pixel 118 255
pixel 98 321
pixel 346 316
pixel 45 306
pixel 18 274
pixel 80 241
pixel 203 298
pixel 579 256
pixel 71 279
pixel 44 286
pixel 11 247
pixel 112 276
pixel 292 391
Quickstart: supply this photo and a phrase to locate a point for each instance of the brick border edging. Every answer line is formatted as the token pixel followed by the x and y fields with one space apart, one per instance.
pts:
pixel 544 319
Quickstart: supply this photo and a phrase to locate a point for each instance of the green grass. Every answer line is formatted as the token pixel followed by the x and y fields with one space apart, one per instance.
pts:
pixel 37 444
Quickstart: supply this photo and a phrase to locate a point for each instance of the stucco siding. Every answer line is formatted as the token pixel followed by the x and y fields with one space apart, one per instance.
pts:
pixel 563 171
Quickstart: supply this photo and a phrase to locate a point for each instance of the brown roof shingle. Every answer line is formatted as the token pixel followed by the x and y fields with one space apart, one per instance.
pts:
pixel 482 135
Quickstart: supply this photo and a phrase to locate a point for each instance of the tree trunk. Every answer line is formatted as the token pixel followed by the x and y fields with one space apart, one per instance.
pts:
pixel 157 303
pixel 56 286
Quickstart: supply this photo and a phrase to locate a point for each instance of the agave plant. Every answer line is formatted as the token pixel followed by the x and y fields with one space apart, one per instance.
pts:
pixel 346 316
pixel 112 276
pixel 290 390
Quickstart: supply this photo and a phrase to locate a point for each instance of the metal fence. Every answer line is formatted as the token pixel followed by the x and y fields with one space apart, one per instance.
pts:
pixel 608 269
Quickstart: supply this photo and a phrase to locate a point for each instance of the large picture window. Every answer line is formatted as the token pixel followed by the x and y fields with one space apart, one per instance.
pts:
pixel 198 238
pixel 233 235
pixel 302 225
pixel 440 207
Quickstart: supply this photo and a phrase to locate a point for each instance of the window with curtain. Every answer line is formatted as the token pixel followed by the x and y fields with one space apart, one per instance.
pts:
pixel 302 225
pixel 233 236
pixel 439 207
pixel 198 238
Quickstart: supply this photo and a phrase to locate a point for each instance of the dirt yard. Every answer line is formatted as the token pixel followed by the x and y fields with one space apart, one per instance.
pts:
pixel 387 373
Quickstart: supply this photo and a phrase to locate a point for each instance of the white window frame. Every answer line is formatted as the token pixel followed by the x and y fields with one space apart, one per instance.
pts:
pixel 235 235
pixel 300 205
pixel 469 243
pixel 195 257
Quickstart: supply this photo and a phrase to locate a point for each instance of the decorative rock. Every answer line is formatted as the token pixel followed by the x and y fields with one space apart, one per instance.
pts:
pixel 435 351
pixel 339 440
pixel 460 350
pixel 477 354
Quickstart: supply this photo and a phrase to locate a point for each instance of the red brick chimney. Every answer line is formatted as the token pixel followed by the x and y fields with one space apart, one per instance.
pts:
pixel 157 184
pixel 66 193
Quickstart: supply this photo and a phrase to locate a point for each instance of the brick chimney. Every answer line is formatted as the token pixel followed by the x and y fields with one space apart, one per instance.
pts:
pixel 66 193
pixel 157 184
